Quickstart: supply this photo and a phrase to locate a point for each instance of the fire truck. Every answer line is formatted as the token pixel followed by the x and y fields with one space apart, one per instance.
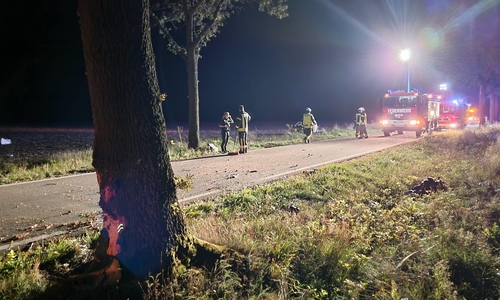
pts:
pixel 452 115
pixel 409 111
pixel 472 116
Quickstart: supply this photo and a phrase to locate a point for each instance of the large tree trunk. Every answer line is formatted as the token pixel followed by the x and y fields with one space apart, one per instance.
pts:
pixel 482 105
pixel 194 99
pixel 142 224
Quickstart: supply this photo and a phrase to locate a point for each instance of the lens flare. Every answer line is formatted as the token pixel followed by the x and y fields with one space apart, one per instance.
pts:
pixel 431 37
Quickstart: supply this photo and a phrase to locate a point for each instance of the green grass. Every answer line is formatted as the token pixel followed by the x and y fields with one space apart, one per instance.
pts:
pixel 27 275
pixel 58 164
pixel 360 233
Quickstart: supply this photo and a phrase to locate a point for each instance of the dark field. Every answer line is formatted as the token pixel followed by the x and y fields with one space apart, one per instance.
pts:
pixel 41 143
pixel 35 144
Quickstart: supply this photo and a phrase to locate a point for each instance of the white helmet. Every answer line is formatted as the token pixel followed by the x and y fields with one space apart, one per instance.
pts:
pixel 361 109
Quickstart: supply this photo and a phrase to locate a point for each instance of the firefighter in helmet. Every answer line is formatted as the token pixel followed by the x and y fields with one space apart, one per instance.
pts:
pixel 242 128
pixel 360 123
pixel 308 122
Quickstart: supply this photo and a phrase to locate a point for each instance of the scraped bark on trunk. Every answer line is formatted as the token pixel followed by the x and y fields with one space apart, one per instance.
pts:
pixel 142 222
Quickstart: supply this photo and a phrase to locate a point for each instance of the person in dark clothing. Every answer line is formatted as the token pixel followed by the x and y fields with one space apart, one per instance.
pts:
pixel 242 127
pixel 225 128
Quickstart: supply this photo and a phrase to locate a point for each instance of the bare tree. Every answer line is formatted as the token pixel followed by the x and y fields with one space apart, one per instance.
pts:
pixel 188 25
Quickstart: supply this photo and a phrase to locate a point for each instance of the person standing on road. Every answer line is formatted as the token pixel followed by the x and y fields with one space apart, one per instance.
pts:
pixel 225 128
pixel 242 127
pixel 308 122
pixel 360 123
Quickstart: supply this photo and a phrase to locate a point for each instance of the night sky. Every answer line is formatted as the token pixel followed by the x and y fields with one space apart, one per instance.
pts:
pixel 332 56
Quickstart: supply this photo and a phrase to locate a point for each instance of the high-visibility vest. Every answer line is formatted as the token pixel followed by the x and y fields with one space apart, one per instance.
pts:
pixel 244 119
pixel 360 118
pixel 307 120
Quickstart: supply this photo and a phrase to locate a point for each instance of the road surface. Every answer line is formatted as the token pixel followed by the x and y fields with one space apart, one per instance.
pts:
pixel 35 211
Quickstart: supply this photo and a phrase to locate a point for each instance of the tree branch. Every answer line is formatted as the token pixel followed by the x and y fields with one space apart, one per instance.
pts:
pixel 167 34
pixel 185 7
pixel 209 25
pixel 158 6
pixel 195 8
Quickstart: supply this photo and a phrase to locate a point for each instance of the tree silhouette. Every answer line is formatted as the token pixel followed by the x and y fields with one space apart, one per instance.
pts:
pixel 188 25
pixel 472 54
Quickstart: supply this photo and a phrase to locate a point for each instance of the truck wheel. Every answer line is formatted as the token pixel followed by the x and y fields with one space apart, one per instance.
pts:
pixel 387 133
pixel 419 133
pixel 400 131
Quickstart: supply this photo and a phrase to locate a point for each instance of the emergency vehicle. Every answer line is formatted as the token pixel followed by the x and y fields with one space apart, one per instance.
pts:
pixel 409 111
pixel 452 115
pixel 471 116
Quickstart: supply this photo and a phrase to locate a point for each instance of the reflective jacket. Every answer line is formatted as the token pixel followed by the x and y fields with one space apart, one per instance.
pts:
pixel 243 122
pixel 308 120
pixel 360 119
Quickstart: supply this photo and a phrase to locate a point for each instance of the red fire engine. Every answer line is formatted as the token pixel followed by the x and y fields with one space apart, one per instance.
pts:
pixel 472 117
pixel 409 111
pixel 452 115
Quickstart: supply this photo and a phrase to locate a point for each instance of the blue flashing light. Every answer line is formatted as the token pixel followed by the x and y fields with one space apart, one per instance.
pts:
pixel 455 101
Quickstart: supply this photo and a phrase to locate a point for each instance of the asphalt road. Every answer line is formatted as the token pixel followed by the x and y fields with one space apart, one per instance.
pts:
pixel 35 211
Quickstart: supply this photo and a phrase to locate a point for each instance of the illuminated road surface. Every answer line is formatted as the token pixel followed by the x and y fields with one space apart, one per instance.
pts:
pixel 33 211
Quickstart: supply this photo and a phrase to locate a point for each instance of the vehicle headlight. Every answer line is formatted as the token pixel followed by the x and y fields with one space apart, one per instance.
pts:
pixel 384 122
pixel 415 122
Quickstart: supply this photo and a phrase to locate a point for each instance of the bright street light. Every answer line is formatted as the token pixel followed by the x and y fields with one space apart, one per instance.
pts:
pixel 404 55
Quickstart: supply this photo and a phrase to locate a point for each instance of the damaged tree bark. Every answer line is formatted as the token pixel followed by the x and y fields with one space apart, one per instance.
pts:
pixel 143 225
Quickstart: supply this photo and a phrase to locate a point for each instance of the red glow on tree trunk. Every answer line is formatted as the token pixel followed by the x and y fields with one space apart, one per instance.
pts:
pixel 113 223
pixel 107 192
pixel 113 226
